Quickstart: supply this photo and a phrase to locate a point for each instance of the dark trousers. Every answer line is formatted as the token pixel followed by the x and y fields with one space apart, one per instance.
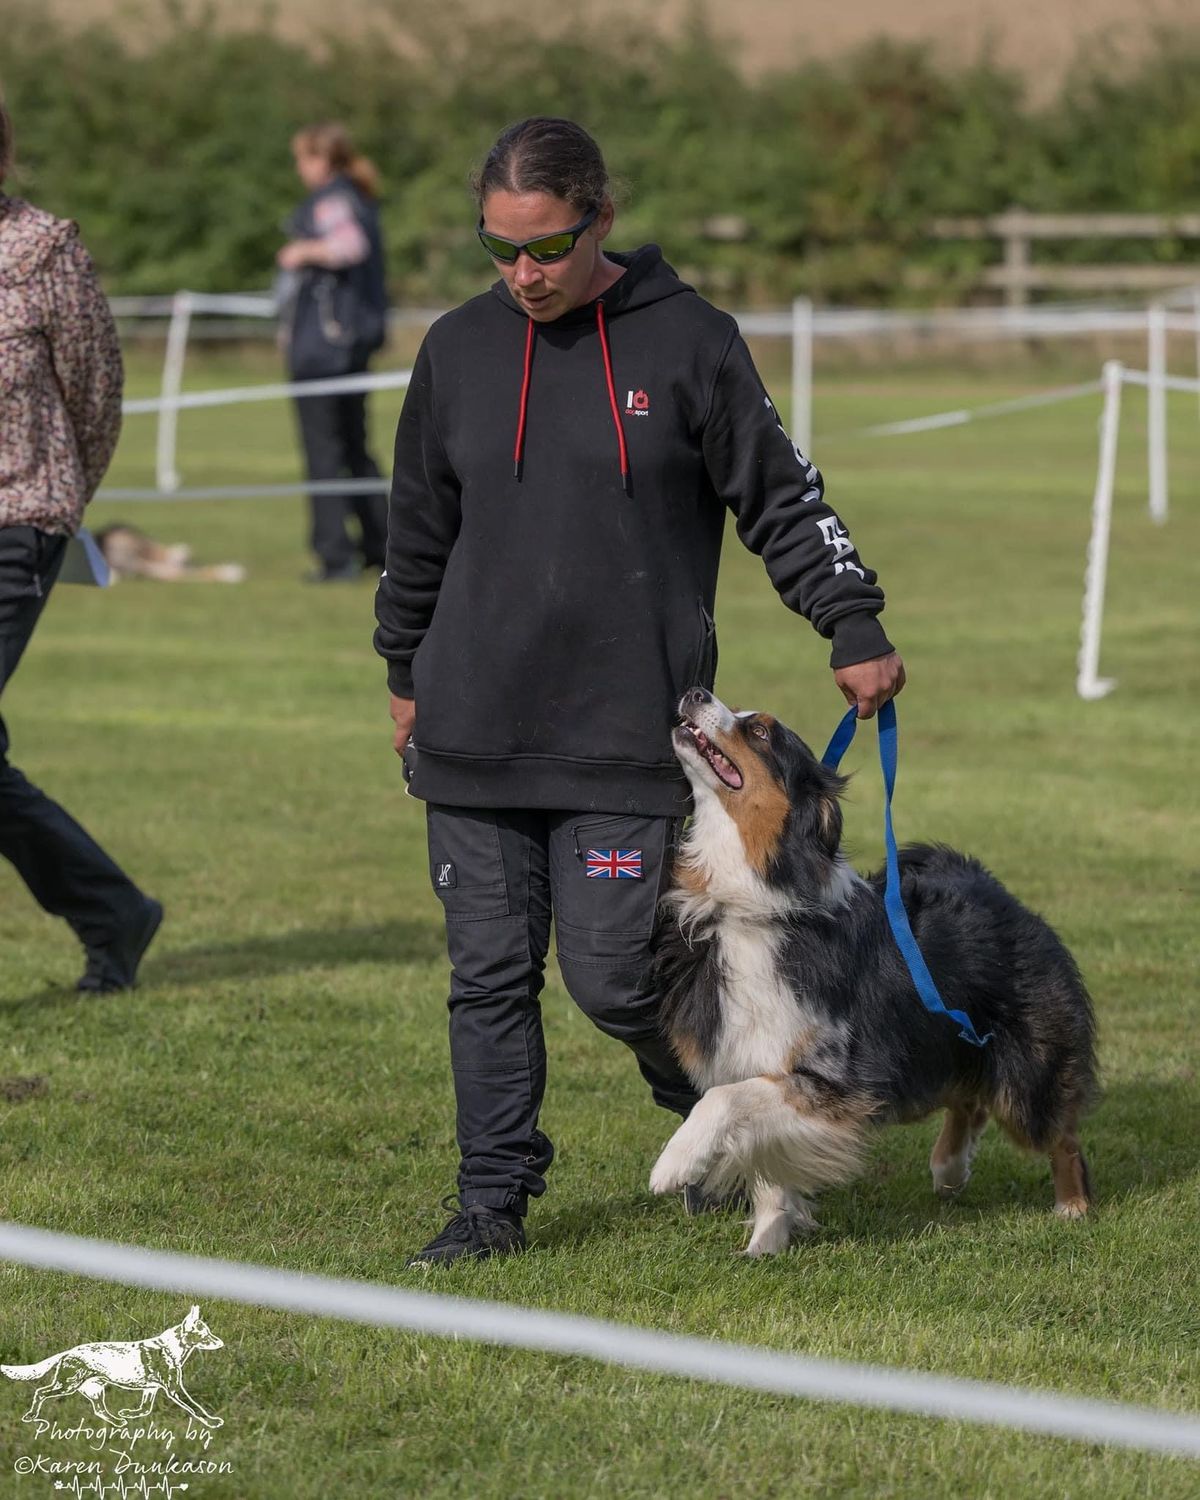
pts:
pixel 68 873
pixel 333 430
pixel 500 876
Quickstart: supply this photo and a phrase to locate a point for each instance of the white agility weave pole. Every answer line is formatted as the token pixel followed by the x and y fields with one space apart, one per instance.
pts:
pixel 802 373
pixel 165 472
pixel 1156 409
pixel 1088 684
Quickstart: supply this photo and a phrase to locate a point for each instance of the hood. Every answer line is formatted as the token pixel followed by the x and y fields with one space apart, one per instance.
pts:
pixel 648 278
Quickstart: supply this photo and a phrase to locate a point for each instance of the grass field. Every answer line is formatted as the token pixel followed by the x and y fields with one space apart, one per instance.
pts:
pixel 278 1089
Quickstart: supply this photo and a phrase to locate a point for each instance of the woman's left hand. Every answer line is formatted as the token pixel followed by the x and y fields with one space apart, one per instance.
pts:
pixel 294 255
pixel 870 684
pixel 297 254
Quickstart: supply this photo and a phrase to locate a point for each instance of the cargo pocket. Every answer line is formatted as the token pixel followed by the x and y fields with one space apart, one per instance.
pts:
pixel 608 872
pixel 466 867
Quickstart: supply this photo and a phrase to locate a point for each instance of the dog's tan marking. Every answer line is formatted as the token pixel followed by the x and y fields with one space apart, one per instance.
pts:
pixel 1072 1190
pixel 950 1159
pixel 690 878
pixel 802 1046
pixel 687 1050
pixel 760 809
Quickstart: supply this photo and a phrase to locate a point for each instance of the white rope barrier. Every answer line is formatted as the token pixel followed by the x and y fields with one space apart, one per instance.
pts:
pixel 963 415
pixel 746 1367
pixel 253 491
pixel 387 380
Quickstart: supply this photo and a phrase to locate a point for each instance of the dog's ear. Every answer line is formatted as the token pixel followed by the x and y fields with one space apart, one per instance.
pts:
pixel 829 818
pixel 194 1315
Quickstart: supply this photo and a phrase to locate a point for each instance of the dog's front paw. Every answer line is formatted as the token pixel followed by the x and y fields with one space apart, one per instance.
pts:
pixel 668 1175
pixel 678 1165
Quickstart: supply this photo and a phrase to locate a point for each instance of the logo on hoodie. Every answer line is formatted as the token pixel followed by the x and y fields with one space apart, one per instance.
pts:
pixel 637 404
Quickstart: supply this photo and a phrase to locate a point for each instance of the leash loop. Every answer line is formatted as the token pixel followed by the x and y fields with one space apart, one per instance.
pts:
pixel 927 990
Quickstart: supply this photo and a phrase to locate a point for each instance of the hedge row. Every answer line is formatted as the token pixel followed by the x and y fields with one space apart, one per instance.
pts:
pixel 167 137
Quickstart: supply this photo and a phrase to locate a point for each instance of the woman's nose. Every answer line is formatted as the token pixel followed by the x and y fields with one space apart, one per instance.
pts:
pixel 528 270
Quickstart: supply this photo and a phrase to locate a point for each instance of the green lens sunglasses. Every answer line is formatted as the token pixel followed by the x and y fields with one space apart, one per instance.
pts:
pixel 544 250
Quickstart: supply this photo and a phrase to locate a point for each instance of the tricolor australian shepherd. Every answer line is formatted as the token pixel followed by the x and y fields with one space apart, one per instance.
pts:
pixel 787 1000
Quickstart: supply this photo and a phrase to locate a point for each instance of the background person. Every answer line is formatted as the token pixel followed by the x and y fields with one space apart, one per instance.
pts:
pixel 60 413
pixel 567 451
pixel 334 319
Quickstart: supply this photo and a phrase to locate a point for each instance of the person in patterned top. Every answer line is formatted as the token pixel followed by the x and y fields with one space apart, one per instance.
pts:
pixel 60 413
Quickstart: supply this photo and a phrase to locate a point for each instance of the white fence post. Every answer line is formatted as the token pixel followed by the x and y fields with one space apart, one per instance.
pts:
pixel 1196 329
pixel 166 474
pixel 802 373
pixel 1088 684
pixel 1156 409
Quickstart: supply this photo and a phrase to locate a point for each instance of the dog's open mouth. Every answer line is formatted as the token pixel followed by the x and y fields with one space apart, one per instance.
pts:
pixel 723 767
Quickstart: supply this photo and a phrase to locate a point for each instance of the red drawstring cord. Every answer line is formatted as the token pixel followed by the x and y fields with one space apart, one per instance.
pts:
pixel 520 445
pixel 519 448
pixel 612 396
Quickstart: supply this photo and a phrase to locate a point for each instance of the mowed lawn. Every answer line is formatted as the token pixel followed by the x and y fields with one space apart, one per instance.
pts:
pixel 278 1091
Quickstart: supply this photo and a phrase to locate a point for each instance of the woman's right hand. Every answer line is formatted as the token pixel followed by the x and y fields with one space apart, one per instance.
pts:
pixel 404 716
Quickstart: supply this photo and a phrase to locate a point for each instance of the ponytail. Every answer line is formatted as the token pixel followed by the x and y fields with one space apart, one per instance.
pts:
pixel 364 174
pixel 330 140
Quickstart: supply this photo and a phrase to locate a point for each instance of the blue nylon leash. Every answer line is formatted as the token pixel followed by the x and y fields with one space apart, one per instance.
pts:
pixel 897 917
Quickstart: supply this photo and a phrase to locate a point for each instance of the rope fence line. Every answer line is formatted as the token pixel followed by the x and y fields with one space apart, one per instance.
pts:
pixel 255 491
pixel 963 415
pixel 1045 1413
pixel 386 380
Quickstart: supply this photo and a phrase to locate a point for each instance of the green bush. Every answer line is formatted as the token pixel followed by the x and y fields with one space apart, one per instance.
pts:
pixel 166 135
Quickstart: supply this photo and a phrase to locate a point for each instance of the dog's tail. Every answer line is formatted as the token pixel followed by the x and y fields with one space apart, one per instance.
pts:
pixel 30 1372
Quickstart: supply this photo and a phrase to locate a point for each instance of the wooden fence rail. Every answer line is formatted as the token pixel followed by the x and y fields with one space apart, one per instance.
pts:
pixel 1019 274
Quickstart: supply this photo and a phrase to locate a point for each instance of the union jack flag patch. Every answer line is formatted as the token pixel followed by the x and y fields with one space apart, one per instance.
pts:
pixel 614 864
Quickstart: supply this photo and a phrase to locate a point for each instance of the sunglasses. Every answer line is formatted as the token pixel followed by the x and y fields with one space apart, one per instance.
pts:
pixel 546 249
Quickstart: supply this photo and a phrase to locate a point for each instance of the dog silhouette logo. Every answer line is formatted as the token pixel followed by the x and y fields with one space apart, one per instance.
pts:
pixel 145 1367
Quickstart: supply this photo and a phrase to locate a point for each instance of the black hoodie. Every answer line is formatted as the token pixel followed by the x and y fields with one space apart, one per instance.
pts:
pixel 557 508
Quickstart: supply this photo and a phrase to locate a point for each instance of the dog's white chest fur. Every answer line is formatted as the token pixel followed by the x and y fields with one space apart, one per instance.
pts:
pixel 762 1017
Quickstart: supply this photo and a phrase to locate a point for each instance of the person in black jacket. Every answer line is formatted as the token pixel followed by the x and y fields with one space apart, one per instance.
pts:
pixel 567 451
pixel 334 319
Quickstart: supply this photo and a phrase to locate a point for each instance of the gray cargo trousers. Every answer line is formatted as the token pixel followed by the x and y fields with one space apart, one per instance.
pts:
pixel 500 876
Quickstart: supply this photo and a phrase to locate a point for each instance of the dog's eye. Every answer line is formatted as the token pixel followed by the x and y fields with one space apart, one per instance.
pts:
pixel 761 731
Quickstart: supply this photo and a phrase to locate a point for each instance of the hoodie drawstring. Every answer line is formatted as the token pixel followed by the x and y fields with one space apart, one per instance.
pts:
pixel 519 449
pixel 612 396
pixel 519 446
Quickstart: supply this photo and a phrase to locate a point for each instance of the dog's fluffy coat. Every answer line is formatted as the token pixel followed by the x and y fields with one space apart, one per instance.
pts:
pixel 789 1004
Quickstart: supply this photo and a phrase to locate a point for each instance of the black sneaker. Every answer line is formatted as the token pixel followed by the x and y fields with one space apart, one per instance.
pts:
pixel 114 965
pixel 697 1201
pixel 474 1233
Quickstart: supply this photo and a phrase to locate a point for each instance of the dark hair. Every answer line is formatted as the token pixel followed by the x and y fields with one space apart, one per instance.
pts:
pixel 330 140
pixel 6 142
pixel 546 155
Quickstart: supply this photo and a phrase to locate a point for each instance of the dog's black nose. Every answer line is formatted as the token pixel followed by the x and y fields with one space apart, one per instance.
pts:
pixel 697 697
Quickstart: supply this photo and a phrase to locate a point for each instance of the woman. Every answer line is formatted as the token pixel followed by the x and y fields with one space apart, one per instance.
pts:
pixel 566 453
pixel 60 413
pixel 334 319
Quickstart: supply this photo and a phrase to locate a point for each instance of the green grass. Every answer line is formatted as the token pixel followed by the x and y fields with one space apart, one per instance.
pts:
pixel 278 1088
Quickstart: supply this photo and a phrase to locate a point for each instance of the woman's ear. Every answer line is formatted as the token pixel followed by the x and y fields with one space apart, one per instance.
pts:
pixel 604 220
